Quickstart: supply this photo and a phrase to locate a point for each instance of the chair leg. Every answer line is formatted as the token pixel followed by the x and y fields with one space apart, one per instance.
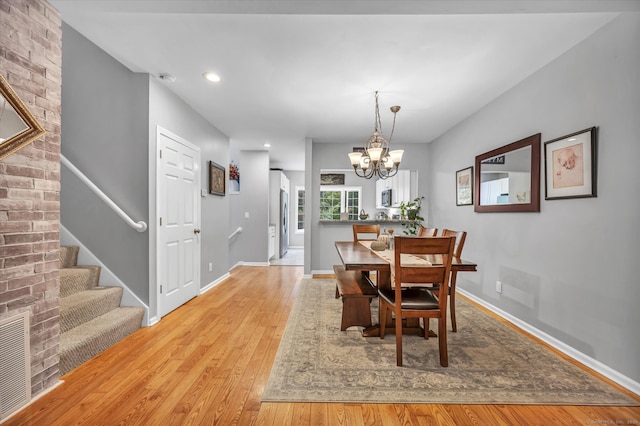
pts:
pixel 426 328
pixel 442 341
pixel 382 316
pixel 452 301
pixel 398 339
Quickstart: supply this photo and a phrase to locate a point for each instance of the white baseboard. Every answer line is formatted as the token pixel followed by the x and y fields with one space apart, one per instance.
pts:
pixel 212 284
pixel 323 272
pixel 107 278
pixel 249 264
pixel 580 357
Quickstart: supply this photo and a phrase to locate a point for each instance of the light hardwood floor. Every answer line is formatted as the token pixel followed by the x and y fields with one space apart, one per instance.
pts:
pixel 208 362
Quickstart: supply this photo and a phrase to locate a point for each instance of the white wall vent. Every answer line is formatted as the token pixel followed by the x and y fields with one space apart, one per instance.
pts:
pixel 15 359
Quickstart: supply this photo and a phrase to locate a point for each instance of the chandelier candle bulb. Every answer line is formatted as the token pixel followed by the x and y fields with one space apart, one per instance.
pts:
pixel 396 155
pixel 375 153
pixel 355 158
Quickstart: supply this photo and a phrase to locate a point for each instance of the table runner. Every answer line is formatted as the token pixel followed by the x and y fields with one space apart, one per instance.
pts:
pixel 405 258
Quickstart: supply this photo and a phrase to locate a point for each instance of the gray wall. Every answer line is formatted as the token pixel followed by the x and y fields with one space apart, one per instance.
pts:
pixel 104 133
pixel 170 112
pixel 323 254
pixel 568 270
pixel 109 124
pixel 251 245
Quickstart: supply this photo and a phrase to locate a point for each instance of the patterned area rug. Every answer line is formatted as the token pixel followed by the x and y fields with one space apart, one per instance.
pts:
pixel 489 363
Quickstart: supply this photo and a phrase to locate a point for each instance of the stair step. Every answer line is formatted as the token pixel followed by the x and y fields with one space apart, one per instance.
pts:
pixel 68 256
pixel 78 278
pixel 89 339
pixel 86 305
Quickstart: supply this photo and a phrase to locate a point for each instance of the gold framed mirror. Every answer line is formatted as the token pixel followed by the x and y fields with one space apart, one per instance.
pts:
pixel 18 127
pixel 507 179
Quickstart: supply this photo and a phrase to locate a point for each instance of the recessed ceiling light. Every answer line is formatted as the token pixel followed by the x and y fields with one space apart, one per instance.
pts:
pixel 211 76
pixel 267 145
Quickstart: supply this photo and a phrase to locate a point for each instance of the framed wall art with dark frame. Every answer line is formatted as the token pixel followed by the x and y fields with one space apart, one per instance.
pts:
pixel 464 187
pixel 570 166
pixel 18 127
pixel 217 179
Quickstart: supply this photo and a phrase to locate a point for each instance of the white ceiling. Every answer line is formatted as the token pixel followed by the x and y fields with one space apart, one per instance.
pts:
pixel 308 69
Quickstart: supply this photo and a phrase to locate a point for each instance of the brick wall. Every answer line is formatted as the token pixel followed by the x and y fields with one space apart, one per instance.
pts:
pixel 31 61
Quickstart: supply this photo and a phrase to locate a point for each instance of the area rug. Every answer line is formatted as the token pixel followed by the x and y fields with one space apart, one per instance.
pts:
pixel 489 362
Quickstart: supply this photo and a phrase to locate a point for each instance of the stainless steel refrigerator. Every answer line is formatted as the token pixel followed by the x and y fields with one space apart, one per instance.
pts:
pixel 284 222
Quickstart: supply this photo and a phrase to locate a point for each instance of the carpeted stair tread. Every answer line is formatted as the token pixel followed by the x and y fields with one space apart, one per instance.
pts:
pixel 78 278
pixel 68 256
pixel 91 318
pixel 87 305
pixel 89 339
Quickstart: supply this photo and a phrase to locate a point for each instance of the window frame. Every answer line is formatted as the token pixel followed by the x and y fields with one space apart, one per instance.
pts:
pixel 297 190
pixel 343 199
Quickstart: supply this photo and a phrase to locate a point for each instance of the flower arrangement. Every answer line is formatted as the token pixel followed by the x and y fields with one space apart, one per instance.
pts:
pixel 234 173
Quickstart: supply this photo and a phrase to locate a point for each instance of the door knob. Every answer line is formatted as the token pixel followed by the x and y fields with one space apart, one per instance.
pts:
pixel 196 231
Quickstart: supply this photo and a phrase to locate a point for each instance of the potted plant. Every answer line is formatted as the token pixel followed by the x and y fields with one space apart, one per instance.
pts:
pixel 411 211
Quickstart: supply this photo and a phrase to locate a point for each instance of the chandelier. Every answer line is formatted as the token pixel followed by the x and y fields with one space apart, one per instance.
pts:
pixel 376 159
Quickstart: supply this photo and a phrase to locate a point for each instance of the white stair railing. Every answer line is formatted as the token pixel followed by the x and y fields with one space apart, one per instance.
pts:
pixel 237 231
pixel 139 226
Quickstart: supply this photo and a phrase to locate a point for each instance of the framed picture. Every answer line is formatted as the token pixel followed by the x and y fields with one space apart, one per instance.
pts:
pixel 464 187
pixel 234 178
pixel 217 178
pixel 332 179
pixel 570 166
pixel 18 126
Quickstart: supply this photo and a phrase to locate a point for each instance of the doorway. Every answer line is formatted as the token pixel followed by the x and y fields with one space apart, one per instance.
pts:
pixel 178 221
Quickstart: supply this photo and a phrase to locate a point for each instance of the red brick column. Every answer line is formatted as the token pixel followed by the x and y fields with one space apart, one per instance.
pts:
pixel 31 61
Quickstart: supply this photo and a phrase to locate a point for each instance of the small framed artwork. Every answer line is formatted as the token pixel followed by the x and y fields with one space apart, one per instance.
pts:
pixel 464 187
pixel 332 179
pixel 217 178
pixel 570 166
pixel 234 178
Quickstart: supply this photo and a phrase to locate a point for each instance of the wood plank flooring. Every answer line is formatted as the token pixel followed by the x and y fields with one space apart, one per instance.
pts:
pixel 207 363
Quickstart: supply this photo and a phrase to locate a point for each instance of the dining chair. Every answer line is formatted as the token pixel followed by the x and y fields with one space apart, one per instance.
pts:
pixel 365 230
pixel 460 236
pixel 408 300
pixel 427 232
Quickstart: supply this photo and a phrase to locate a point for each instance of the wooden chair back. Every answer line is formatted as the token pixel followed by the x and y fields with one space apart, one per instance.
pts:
pixel 460 236
pixel 438 250
pixel 407 301
pixel 365 229
pixel 427 232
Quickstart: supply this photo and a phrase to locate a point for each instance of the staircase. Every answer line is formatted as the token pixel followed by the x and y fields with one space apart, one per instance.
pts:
pixel 91 318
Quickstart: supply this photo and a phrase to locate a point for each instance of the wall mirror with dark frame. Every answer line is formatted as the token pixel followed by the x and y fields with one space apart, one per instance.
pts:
pixel 18 127
pixel 507 179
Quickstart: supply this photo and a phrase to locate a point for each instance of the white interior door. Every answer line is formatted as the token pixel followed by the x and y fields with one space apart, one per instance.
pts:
pixel 178 185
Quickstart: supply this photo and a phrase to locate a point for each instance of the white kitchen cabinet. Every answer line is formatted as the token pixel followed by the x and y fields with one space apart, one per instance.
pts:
pixel 403 186
pixel 272 241
pixel 379 189
pixel 491 191
pixel 284 183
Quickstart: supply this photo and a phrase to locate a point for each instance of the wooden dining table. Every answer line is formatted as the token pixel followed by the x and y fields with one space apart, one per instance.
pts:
pixel 355 256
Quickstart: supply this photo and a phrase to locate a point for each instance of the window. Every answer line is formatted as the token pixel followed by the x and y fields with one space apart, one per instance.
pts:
pixel 299 210
pixel 335 200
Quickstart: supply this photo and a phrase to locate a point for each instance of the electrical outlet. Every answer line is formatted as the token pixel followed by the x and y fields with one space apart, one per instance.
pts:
pixel 210 267
pixel 499 286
